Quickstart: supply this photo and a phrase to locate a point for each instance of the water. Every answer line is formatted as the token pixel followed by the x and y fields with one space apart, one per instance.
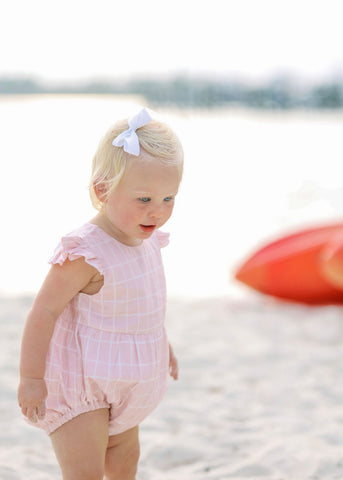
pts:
pixel 249 176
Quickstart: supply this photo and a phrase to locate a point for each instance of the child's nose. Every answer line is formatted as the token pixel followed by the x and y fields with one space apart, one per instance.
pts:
pixel 156 212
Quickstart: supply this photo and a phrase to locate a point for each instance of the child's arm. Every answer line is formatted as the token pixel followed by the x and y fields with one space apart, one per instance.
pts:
pixel 60 286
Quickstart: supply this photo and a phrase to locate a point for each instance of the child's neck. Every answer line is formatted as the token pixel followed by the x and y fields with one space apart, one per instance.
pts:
pixel 104 223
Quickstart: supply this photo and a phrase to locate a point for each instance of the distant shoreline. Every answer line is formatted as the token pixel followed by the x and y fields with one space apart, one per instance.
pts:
pixel 183 92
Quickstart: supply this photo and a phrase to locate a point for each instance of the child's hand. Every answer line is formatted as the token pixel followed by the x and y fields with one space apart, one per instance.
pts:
pixel 173 365
pixel 32 393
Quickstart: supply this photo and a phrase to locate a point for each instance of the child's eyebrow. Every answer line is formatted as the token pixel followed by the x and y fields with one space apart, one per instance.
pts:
pixel 142 192
pixel 148 193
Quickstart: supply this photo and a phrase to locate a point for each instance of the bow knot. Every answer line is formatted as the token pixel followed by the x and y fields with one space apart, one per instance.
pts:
pixel 129 139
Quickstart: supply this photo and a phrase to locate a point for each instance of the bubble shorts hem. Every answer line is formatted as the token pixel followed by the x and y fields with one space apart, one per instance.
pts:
pixel 55 420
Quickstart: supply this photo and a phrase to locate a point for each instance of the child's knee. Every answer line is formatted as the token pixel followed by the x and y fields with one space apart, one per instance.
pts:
pixel 89 469
pixel 84 472
pixel 122 461
pixel 134 454
pixel 93 474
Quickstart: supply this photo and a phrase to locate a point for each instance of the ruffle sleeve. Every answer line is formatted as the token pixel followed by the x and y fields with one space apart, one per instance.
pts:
pixel 163 238
pixel 72 248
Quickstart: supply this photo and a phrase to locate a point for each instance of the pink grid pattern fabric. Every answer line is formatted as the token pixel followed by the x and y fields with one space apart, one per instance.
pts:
pixel 110 350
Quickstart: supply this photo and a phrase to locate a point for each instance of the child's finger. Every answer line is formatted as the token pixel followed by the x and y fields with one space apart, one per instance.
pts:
pixel 24 411
pixel 32 414
pixel 174 369
pixel 41 411
pixel 176 373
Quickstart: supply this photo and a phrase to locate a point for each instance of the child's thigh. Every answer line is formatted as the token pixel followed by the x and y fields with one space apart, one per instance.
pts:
pixel 80 445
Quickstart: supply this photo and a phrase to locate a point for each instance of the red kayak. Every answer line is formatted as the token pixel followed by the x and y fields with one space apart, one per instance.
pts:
pixel 296 267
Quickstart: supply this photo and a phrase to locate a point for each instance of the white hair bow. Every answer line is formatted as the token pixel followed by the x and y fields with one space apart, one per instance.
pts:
pixel 129 139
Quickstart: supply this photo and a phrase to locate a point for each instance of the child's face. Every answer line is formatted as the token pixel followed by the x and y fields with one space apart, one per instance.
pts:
pixel 143 200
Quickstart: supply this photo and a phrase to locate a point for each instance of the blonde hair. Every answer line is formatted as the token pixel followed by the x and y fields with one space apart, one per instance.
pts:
pixel 109 162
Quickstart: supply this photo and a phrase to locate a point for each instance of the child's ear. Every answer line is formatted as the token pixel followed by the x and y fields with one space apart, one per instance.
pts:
pixel 100 191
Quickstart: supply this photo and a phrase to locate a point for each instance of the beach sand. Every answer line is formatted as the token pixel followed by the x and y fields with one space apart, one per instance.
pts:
pixel 259 396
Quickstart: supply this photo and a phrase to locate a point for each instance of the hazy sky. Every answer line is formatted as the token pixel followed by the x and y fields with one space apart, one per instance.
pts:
pixel 75 40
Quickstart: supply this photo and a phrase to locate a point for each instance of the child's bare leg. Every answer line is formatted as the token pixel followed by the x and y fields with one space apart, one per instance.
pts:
pixel 122 456
pixel 80 446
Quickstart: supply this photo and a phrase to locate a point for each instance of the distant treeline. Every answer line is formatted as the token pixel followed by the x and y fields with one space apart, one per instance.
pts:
pixel 185 92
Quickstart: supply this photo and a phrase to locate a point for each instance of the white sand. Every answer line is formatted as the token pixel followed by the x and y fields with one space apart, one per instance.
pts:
pixel 260 396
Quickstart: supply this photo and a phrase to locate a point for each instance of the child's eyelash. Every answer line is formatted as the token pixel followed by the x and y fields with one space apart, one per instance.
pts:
pixel 148 199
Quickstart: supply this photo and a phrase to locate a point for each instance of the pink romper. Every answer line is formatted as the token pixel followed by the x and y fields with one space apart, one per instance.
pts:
pixel 110 349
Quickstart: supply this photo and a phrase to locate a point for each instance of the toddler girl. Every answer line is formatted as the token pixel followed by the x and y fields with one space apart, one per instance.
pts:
pixel 95 356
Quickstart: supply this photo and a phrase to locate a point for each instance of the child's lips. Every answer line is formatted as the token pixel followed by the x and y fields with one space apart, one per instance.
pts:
pixel 147 228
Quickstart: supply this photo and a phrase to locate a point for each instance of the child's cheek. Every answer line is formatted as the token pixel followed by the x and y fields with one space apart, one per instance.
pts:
pixel 169 210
